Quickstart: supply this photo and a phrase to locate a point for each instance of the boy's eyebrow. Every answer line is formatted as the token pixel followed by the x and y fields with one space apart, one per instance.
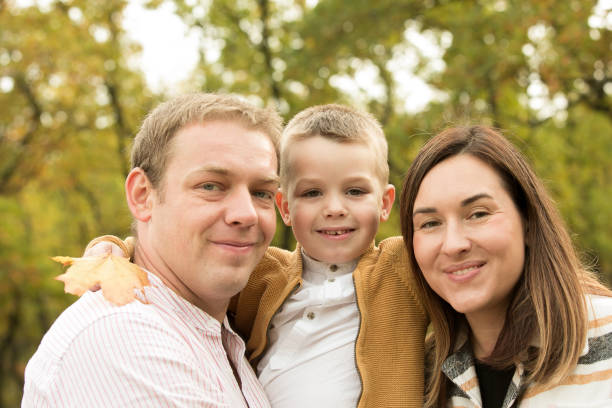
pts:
pixel 467 201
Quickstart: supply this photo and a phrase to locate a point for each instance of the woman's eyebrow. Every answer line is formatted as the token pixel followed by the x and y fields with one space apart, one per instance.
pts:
pixel 473 198
pixel 467 201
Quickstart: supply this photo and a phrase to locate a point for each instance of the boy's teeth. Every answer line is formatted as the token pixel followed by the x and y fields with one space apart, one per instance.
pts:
pixel 464 271
pixel 336 232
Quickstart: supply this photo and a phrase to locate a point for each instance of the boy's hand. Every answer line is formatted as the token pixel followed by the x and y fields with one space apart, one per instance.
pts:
pixel 104 248
pixel 108 244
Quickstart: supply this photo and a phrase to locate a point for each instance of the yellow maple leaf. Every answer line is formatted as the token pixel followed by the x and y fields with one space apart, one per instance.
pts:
pixel 116 276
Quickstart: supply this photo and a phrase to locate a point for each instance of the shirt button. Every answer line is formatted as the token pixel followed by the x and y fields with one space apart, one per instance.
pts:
pixel 331 280
pixel 333 268
pixel 310 315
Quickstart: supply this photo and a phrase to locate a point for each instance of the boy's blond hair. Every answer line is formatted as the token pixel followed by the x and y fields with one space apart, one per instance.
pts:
pixel 339 123
pixel 152 145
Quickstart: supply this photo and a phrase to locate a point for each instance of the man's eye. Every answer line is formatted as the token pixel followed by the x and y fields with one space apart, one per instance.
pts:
pixel 266 195
pixel 210 187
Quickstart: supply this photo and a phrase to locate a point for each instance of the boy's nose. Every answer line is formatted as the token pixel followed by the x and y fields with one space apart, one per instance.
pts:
pixel 334 208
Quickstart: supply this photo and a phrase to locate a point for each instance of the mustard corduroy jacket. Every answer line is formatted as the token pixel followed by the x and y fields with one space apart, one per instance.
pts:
pixel 389 346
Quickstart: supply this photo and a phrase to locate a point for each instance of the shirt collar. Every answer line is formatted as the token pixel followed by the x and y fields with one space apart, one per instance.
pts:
pixel 196 317
pixel 312 266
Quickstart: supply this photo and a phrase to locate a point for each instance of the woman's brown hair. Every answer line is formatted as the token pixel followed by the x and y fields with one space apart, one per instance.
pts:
pixel 549 298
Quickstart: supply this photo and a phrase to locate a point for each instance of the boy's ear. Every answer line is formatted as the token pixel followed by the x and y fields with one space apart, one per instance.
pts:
pixel 139 194
pixel 388 197
pixel 283 207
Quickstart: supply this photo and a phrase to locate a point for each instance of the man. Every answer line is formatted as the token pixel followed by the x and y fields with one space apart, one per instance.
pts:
pixel 201 192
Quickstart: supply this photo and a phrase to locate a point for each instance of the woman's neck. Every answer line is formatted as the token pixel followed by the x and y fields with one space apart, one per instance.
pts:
pixel 485 328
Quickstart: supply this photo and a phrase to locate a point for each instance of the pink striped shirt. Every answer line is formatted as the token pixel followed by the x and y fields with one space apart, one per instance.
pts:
pixel 167 353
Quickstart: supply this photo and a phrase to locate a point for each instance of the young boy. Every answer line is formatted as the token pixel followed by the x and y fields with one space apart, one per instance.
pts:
pixel 337 322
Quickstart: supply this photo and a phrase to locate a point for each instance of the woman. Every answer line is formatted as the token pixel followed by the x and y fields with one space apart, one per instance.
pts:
pixel 511 305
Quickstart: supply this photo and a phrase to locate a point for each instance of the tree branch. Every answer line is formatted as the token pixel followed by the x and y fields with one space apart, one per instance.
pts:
pixel 123 133
pixel 21 146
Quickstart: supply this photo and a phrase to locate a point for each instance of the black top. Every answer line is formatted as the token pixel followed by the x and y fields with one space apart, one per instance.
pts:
pixel 493 384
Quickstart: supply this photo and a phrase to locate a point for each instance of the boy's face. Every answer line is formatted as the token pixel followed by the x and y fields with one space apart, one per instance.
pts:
pixel 333 199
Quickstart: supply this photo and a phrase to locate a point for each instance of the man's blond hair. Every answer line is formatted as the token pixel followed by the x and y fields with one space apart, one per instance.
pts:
pixel 152 145
pixel 339 123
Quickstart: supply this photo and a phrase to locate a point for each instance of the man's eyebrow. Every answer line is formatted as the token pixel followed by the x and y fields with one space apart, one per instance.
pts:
pixel 213 169
pixel 473 198
pixel 274 179
pixel 270 180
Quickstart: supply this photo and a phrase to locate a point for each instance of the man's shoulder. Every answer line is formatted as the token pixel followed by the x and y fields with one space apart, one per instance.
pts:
pixel 92 312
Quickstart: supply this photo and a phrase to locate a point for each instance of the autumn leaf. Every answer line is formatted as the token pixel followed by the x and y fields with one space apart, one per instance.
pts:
pixel 116 276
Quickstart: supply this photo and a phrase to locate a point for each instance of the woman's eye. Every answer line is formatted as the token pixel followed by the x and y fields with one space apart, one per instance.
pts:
pixel 479 214
pixel 429 224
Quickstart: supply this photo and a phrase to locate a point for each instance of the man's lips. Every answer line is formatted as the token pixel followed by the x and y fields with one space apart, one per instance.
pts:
pixel 235 245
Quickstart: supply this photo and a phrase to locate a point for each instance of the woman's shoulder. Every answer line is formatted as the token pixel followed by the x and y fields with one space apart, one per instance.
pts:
pixel 600 315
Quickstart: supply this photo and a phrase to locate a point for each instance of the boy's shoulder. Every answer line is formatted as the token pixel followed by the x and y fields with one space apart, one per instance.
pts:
pixel 393 248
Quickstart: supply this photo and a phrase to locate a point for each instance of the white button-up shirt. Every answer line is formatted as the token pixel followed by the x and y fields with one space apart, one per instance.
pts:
pixel 311 358
pixel 167 353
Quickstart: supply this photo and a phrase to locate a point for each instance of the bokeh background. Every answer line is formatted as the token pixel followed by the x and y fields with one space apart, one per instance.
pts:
pixel 73 93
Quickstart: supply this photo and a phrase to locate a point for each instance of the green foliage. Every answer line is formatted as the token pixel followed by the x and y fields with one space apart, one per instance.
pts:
pixel 70 103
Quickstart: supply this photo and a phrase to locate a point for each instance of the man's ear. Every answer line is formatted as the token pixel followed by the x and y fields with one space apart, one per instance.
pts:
pixel 139 194
pixel 388 197
pixel 283 207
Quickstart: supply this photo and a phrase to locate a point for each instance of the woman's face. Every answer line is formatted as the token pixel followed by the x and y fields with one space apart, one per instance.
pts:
pixel 468 236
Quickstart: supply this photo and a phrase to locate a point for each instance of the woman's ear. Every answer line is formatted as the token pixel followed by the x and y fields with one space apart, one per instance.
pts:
pixel 283 207
pixel 139 194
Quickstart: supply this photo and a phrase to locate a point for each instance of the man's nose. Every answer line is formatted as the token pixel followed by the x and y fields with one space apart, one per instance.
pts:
pixel 240 208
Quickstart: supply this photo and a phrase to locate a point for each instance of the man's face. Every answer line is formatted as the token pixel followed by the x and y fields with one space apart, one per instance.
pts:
pixel 213 216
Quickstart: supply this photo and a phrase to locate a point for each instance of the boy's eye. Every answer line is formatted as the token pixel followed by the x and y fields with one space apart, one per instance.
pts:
pixel 311 193
pixel 355 192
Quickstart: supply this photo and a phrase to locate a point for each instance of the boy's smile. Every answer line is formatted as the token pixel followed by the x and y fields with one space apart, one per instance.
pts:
pixel 334 199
